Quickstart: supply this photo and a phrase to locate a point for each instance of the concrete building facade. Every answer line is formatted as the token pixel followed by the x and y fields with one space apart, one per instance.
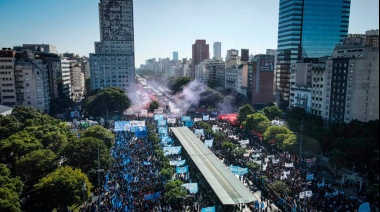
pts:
pixel 113 63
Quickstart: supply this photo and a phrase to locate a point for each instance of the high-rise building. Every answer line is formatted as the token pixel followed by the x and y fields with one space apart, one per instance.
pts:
pixel 354 88
pixel 262 79
pixel 217 51
pixel 307 29
pixel 175 56
pixel 7 74
pixel 244 55
pixel 113 63
pixel 200 52
pixel 232 53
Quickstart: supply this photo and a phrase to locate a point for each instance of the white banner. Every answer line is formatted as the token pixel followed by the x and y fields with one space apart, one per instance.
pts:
pixel 288 165
pixel 175 110
pixel 212 119
pixel 171 120
pixel 137 123
pixel 286 172
pixel 206 118
pixel 275 160
pixel 197 119
pixel 144 112
pixel 159 111
pixel 309 193
pixel 244 142
pixel 283 177
pixel 302 194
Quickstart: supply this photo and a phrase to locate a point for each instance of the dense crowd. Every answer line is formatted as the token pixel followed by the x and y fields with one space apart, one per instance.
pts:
pixel 134 182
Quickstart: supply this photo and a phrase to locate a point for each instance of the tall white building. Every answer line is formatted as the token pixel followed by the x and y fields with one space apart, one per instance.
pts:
pixel 113 63
pixel 217 50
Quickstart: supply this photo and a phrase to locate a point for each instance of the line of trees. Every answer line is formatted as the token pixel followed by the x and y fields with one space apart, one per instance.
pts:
pixel 43 165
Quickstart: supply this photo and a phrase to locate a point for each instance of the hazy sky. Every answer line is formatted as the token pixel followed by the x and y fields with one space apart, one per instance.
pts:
pixel 161 26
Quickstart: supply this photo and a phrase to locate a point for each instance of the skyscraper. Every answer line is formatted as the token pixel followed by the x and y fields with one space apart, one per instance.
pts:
pixel 175 56
pixel 307 29
pixel 113 63
pixel 232 53
pixel 200 52
pixel 217 50
pixel 244 55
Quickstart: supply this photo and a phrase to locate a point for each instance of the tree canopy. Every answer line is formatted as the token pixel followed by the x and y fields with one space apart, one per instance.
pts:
pixel 272 112
pixel 257 122
pixel 9 190
pixel 244 111
pixel 62 188
pixel 153 105
pixel 83 153
pixel 106 102
pixel 101 133
pixel 178 83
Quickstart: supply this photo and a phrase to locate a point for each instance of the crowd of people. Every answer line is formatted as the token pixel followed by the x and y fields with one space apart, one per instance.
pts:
pixel 134 182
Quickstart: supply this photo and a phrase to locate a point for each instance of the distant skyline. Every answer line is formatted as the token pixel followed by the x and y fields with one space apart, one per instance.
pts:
pixel 161 27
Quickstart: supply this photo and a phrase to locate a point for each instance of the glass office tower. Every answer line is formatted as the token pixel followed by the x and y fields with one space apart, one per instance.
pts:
pixel 307 29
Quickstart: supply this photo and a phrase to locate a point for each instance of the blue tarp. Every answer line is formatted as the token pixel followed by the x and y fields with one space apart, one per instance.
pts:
pixel 185 118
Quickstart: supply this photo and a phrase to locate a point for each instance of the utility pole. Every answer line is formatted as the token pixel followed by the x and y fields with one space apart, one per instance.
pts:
pixel 301 130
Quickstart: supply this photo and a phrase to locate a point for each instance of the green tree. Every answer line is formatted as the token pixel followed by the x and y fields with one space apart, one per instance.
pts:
pixel 83 153
pixel 62 188
pixel 54 141
pixel 337 159
pixel 257 122
pixel 279 187
pixel 100 133
pixel 9 190
pixel 107 102
pixel 8 126
pixel 173 184
pixel 276 133
pixel 175 194
pixel 177 84
pixel 166 173
pixel 153 105
pixel 17 145
pixel 36 164
pixel 272 112
pixel 244 111
pixel 253 166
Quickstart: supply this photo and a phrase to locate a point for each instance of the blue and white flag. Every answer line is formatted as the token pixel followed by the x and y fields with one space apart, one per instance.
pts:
pixel 146 163
pixel 199 131
pixel 158 117
pixel 238 170
pixel 209 209
pixel 206 118
pixel 192 187
pixel 148 197
pixel 310 177
pixel 180 170
pixel 209 142
pixel 172 150
pixel 161 122
pixel 177 162
pixel 157 195
pixel 185 118
pixel 189 123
